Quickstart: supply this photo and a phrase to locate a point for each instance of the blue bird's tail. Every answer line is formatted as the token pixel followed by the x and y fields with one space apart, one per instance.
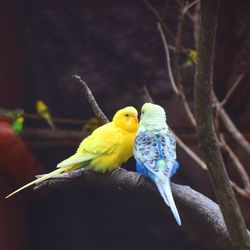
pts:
pixel 166 193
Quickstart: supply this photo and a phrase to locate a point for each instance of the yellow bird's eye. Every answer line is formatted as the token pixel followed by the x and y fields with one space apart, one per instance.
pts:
pixel 127 115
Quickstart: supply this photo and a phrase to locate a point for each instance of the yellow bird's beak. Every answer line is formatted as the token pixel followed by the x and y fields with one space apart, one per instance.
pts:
pixel 134 115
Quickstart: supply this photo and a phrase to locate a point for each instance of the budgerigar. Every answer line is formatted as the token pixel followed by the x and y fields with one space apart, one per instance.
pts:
pixel 17 124
pixel 155 152
pixel 104 150
pixel 43 110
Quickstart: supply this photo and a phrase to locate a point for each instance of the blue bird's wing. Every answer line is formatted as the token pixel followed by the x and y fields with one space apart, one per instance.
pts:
pixel 157 150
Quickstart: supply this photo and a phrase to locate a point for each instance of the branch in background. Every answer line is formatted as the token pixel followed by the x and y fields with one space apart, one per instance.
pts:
pixel 59 134
pixel 159 19
pixel 196 24
pixel 55 119
pixel 88 94
pixel 189 200
pixel 241 170
pixel 230 127
pixel 191 153
pixel 171 77
pixel 232 89
pixel 147 96
pixel 206 130
pixel 178 91
pixel 176 60
pixel 189 6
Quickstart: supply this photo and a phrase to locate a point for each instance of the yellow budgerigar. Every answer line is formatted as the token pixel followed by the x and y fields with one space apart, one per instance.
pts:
pixel 43 110
pixel 104 150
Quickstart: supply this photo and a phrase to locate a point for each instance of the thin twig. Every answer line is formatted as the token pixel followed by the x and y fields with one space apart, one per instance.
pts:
pixel 176 60
pixel 196 24
pixel 189 5
pixel 193 155
pixel 232 89
pixel 159 19
pixel 187 108
pixel 178 91
pixel 87 92
pixel 147 96
pixel 171 77
pixel 230 126
pixel 241 170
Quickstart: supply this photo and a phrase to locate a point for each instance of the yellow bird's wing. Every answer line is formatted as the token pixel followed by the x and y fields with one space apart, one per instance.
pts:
pixel 104 140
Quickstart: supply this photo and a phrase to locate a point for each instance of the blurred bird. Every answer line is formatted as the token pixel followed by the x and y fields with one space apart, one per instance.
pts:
pixel 155 152
pixel 14 114
pixel 191 58
pixel 43 110
pixel 17 125
pixel 104 150
pixel 16 117
pixel 192 55
pixel 92 124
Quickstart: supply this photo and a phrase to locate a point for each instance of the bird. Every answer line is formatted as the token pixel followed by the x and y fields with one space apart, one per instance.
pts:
pixel 155 152
pixel 92 124
pixel 104 150
pixel 17 125
pixel 43 110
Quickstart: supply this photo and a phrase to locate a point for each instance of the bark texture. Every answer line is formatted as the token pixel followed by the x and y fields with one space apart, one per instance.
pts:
pixel 206 131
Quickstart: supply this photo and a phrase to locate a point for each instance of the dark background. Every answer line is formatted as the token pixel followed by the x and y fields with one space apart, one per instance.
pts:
pixel 116 48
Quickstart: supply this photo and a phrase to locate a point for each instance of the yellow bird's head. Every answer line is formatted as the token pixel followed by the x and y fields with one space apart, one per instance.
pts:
pixel 126 119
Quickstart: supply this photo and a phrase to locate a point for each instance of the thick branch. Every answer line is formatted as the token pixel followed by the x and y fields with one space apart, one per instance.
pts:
pixel 187 199
pixel 205 127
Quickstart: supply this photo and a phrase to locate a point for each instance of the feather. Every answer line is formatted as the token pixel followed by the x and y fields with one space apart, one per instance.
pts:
pixel 43 178
pixel 74 159
pixel 169 197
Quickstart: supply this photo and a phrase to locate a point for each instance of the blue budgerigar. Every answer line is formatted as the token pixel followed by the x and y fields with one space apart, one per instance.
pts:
pixel 155 152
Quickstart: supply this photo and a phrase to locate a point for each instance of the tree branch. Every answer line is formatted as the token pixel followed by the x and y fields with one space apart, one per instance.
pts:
pixel 230 126
pixel 178 91
pixel 232 89
pixel 205 127
pixel 188 200
pixel 87 92
pixel 171 77
pixel 159 19
pixel 55 119
pixel 239 167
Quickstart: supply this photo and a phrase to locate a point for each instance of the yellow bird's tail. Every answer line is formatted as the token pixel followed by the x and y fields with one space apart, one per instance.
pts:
pixel 43 178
